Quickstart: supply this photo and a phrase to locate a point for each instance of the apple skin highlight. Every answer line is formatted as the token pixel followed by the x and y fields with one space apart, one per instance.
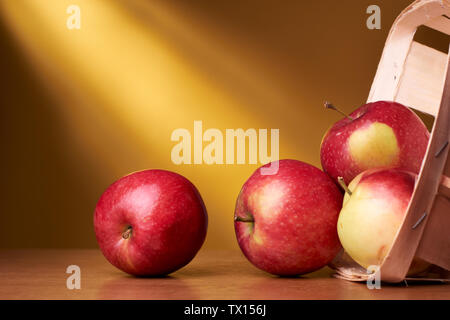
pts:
pixel 150 223
pixel 378 134
pixel 286 223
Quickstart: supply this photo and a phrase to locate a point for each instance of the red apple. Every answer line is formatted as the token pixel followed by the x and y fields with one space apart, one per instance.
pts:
pixel 378 134
pixel 151 222
pixel 286 223
pixel 374 208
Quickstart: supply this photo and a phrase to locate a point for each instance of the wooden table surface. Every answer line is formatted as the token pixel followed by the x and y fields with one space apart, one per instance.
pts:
pixel 41 274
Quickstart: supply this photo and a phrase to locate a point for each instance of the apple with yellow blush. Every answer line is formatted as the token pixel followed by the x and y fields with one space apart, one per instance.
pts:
pixel 378 134
pixel 373 210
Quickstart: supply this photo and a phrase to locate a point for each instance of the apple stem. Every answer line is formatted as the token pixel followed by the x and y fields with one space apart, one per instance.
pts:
pixel 328 105
pixel 344 186
pixel 241 219
pixel 127 233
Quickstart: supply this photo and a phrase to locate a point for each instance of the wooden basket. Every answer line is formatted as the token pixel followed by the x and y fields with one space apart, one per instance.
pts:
pixel 417 76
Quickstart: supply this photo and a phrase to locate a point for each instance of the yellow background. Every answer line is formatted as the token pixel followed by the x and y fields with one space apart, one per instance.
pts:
pixel 81 108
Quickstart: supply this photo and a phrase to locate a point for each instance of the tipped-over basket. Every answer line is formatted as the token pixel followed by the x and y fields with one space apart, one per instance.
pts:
pixel 417 76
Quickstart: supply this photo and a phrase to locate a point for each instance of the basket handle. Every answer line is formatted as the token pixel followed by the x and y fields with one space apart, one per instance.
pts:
pixel 423 232
pixel 432 13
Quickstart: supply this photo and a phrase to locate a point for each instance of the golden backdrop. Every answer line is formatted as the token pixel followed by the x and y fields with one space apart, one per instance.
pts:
pixel 81 108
